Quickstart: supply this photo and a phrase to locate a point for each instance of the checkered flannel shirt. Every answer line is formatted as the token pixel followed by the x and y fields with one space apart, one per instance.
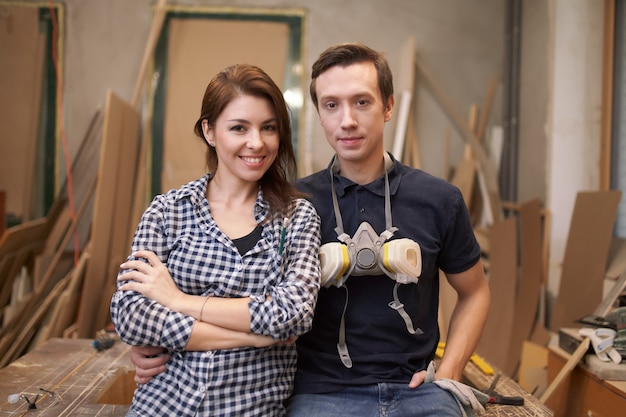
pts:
pixel 179 228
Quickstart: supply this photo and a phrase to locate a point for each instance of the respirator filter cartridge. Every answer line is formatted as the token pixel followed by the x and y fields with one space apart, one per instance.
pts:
pixel 334 263
pixel 404 258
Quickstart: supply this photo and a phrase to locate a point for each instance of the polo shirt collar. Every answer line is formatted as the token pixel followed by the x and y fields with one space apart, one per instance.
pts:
pixel 377 186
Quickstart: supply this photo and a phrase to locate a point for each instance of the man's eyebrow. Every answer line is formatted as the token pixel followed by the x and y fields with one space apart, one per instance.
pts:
pixel 351 96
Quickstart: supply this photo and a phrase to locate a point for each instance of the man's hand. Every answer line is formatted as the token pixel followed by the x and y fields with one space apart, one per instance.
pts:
pixel 149 361
pixel 417 379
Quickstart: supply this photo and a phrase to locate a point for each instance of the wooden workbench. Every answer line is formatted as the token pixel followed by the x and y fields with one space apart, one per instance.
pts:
pixel 583 393
pixel 86 382
pixel 506 387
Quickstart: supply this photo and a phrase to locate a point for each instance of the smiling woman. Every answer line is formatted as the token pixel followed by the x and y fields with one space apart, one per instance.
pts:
pixel 229 329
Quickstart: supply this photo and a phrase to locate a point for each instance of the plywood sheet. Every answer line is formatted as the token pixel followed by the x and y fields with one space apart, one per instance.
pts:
pixel 197 50
pixel 585 258
pixel 495 341
pixel 533 375
pixel 528 287
pixel 22 49
pixel 112 212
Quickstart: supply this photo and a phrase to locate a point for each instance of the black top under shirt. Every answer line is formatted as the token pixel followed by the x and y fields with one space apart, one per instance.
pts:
pixel 247 242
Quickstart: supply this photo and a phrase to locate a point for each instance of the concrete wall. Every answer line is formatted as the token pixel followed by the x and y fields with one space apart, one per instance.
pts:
pixel 574 115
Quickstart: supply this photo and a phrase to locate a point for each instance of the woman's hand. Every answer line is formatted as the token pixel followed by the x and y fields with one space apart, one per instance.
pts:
pixel 151 279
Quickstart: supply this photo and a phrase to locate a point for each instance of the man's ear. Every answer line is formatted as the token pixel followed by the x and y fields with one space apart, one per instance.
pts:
pixel 207 130
pixel 389 108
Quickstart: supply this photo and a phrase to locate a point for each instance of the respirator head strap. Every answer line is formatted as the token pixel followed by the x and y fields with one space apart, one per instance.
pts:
pixel 399 307
pixel 342 348
pixel 334 168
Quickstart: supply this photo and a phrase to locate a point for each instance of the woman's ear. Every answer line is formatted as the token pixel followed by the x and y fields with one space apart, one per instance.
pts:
pixel 207 130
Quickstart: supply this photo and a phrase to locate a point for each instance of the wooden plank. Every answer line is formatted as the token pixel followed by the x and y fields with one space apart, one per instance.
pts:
pixel 3 212
pixel 495 341
pixel 84 172
pixel 404 113
pixel 566 370
pixel 112 211
pixel 411 150
pixel 585 258
pixel 406 87
pixel 140 194
pixel 486 110
pixel 609 301
pixel 18 245
pixel 616 265
pixel 22 53
pixel 21 338
pixel 63 312
pixel 155 30
pixel 528 288
pixel 465 172
pixel 464 177
pixel 29 234
pixel 20 322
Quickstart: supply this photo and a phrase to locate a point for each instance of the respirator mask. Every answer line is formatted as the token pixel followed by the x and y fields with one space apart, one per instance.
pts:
pixel 367 253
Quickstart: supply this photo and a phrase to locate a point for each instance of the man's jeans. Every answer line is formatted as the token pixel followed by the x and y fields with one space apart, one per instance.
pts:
pixel 378 400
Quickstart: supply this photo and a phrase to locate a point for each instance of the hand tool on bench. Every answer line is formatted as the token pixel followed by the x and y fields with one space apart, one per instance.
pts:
pixel 495 398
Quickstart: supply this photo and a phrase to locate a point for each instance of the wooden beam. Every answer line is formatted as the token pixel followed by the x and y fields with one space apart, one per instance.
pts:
pixel 566 370
pixel 155 30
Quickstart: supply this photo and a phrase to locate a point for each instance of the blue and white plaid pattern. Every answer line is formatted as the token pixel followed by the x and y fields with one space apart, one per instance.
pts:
pixel 179 228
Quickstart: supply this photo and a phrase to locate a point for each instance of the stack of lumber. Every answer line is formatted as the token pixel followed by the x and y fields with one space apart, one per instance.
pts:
pixel 58 272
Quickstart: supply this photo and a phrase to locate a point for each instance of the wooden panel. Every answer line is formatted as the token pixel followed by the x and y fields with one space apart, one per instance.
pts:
pixel 585 258
pixel 528 287
pixel 22 48
pixel 3 212
pixel 112 212
pixel 495 341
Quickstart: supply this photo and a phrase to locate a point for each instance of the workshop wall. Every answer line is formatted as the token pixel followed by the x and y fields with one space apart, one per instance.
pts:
pixel 461 42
